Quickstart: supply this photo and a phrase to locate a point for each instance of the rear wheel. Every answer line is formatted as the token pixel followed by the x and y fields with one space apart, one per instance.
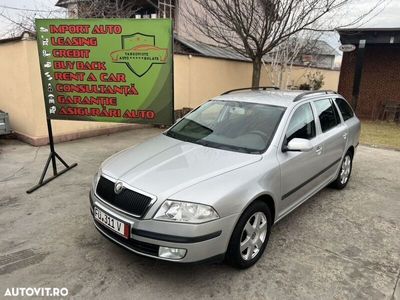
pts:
pixel 250 236
pixel 344 173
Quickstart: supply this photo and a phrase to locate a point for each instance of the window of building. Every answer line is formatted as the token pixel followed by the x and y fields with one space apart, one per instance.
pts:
pixel 166 8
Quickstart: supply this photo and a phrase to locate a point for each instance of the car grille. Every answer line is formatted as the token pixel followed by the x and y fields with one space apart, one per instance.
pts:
pixel 136 245
pixel 129 201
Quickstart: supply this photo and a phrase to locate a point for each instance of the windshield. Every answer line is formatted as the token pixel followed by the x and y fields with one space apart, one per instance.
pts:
pixel 230 125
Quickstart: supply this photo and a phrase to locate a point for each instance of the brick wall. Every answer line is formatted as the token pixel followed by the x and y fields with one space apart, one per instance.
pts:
pixel 380 80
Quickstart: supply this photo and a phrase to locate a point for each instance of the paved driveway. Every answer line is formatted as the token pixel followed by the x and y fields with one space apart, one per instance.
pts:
pixel 338 245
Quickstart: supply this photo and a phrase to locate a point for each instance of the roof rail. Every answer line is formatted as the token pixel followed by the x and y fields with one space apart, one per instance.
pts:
pixel 252 88
pixel 302 95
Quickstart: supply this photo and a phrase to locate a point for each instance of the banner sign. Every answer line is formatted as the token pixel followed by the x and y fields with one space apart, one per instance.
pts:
pixel 108 70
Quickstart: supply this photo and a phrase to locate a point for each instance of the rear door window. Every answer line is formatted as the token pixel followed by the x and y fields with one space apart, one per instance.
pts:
pixel 345 109
pixel 327 114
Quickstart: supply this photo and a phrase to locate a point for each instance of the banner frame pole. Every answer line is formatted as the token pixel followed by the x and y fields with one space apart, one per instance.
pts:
pixel 53 155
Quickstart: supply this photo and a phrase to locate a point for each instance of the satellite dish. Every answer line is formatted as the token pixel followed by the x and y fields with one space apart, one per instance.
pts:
pixel 347 48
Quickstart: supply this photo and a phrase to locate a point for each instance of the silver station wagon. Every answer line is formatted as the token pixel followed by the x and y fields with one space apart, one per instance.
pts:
pixel 212 186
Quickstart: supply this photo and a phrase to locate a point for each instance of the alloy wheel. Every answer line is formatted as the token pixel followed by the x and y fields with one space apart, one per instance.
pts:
pixel 253 236
pixel 345 170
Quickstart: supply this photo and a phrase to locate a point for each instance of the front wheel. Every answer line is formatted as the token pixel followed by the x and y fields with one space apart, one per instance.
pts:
pixel 250 236
pixel 345 171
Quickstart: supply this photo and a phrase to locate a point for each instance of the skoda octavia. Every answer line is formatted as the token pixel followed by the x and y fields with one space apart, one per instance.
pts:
pixel 212 186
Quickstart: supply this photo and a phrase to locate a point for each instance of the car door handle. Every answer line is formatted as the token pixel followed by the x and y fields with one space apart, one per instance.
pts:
pixel 345 135
pixel 318 150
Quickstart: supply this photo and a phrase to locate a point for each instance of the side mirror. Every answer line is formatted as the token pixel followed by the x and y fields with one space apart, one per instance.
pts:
pixel 301 145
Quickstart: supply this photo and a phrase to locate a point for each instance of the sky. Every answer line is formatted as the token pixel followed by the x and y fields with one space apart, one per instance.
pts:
pixel 387 15
pixel 7 13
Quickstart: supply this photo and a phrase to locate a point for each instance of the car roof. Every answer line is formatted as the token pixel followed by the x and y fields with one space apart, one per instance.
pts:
pixel 270 97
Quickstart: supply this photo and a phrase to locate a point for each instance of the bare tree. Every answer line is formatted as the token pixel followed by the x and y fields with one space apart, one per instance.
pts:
pixel 108 9
pixel 24 19
pixel 253 28
pixel 280 61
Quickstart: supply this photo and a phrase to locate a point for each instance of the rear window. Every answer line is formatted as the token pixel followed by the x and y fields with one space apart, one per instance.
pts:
pixel 344 108
pixel 327 114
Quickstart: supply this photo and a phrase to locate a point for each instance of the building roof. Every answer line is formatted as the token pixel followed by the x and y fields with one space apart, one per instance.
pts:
pixel 367 29
pixel 323 48
pixel 370 35
pixel 210 50
pixel 320 47
pixel 65 3
pixel 25 35
pixel 316 47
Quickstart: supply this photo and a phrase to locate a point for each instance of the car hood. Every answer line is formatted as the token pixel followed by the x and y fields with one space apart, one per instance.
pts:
pixel 163 166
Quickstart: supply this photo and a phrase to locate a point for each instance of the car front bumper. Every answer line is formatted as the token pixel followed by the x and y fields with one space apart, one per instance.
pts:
pixel 203 242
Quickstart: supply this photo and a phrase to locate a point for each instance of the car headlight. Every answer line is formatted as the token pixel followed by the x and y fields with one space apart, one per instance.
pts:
pixel 185 212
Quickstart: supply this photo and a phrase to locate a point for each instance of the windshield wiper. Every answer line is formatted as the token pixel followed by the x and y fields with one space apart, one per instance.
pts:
pixel 179 137
pixel 226 147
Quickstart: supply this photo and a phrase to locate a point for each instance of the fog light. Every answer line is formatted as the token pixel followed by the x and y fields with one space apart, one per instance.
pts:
pixel 171 253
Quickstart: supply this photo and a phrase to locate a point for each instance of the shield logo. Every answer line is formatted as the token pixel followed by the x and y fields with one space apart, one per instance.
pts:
pixel 118 187
pixel 139 52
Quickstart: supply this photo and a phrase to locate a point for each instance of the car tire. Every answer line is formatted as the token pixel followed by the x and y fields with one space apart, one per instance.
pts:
pixel 249 239
pixel 344 173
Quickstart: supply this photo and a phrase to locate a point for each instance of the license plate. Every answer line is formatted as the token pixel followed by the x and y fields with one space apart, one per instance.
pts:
pixel 110 222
